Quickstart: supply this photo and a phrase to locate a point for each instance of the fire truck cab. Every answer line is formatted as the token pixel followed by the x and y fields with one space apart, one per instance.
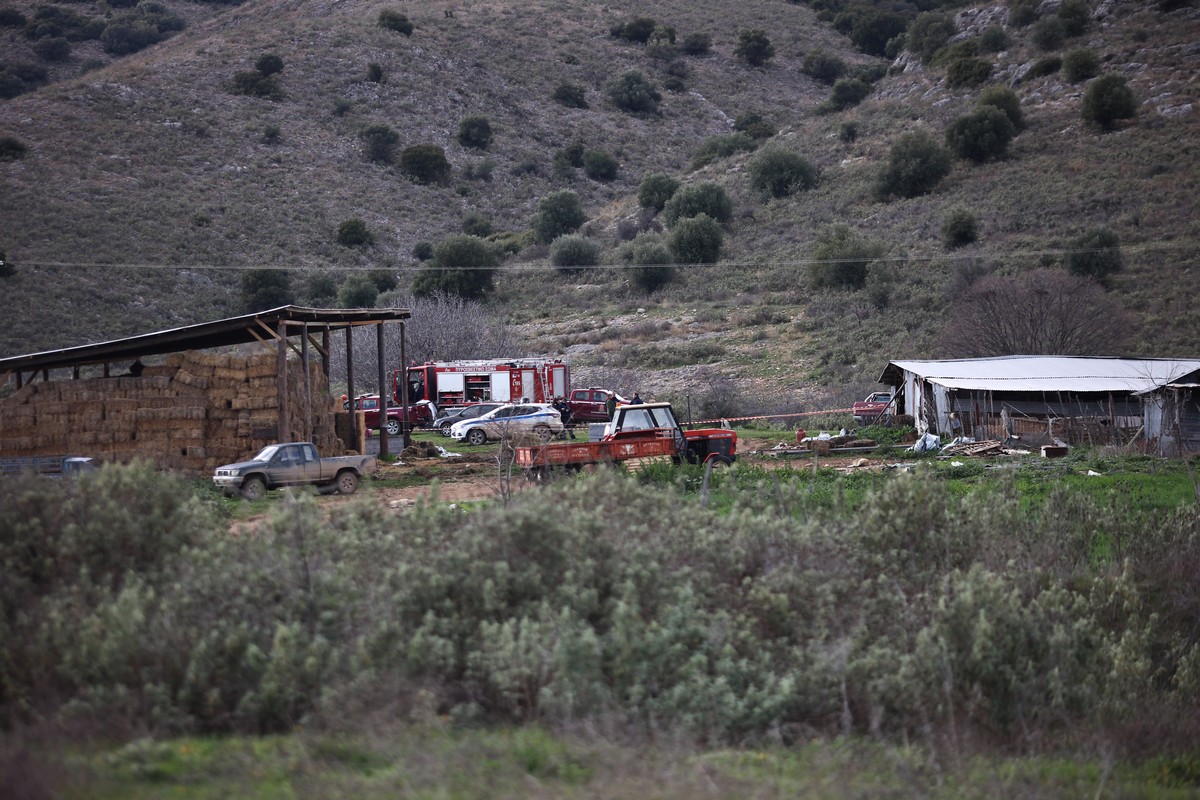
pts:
pixel 449 384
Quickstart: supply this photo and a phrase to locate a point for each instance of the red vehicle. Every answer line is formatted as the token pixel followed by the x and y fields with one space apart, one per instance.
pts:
pixel 638 434
pixel 876 408
pixel 449 384
pixel 419 414
pixel 591 404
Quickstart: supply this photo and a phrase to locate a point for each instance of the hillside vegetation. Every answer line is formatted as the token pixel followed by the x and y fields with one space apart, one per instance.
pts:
pixel 144 185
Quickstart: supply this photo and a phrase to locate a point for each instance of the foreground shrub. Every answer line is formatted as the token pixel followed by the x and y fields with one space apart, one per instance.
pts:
pixel 696 240
pixel 776 173
pixel 754 125
pixel 656 189
pixel 54 48
pixel 463 266
pixel 846 93
pixel 131 31
pixel 916 164
pixel 558 214
pixel 1095 254
pixel 1049 33
pixel 1043 67
pixel 696 44
pixel 632 92
pixel 638 29
pixel 425 162
pixel 1108 100
pixel 392 20
pixel 266 288
pixel 993 40
pixel 981 135
pixel 700 198
pixel 840 258
pixel 571 252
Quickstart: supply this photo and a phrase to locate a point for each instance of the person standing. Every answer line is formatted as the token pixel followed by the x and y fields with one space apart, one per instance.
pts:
pixel 637 399
pixel 610 405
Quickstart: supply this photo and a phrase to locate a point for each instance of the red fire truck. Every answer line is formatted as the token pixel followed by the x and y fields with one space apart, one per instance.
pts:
pixel 448 384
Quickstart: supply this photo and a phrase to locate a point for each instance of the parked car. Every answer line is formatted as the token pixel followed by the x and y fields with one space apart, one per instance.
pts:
pixel 420 414
pixel 292 464
pixel 876 408
pixel 442 423
pixel 590 405
pixel 539 419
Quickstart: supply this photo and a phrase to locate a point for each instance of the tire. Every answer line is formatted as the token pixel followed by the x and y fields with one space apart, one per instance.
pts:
pixel 476 436
pixel 444 429
pixel 393 427
pixel 719 461
pixel 543 432
pixel 254 488
pixel 347 482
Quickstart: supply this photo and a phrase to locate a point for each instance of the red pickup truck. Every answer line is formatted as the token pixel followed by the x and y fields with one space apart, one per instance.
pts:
pixel 590 405
pixel 876 408
pixel 419 414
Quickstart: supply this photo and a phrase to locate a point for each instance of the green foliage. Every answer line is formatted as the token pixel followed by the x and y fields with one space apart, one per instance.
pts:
pixel 1022 13
pixel 916 164
pixel 426 163
pixel 1075 16
pixel 11 18
pixel 968 72
pixel 1080 64
pixel 375 72
pixel 754 125
pixel 475 131
pixel 928 33
pixel 1043 67
pixel 696 44
pixel 358 291
pixel 696 240
pixel 571 252
pixel 1049 33
pixel 263 289
pixel 268 64
pixel 320 290
pixel 1095 254
pixel 840 257
pixel 723 146
pixel 1108 100
pixel 700 198
pixel 392 20
pixel 638 29
pixel 12 148
pixel 656 189
pixel 993 40
pixel 823 66
pixel 462 265
pixel 599 165
pixel 632 92
pixel 379 143
pixel 271 134
pixel 848 131
pixel 354 233
pixel 982 135
pixel 1006 100
pixel 149 23
pixel 959 229
pixel 422 251
pixel 776 173
pixel 54 48
pixel 846 93
pixel 558 214
pixel 477 224
pixel 754 47
pixel 570 95
pixel 872 29
pixel 7 267
pixel 254 84
pixel 652 257
pixel 383 279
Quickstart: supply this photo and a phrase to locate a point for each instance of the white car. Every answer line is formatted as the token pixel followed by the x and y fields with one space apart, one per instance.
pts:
pixel 540 419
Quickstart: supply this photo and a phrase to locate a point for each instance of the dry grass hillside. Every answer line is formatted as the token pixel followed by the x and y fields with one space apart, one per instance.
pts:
pixel 148 186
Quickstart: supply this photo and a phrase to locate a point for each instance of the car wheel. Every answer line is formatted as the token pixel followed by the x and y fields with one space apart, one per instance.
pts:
pixel 444 429
pixel 393 427
pixel 543 432
pixel 347 482
pixel 476 436
pixel 254 488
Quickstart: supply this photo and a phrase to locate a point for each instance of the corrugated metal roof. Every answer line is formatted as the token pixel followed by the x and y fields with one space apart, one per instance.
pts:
pixel 1047 373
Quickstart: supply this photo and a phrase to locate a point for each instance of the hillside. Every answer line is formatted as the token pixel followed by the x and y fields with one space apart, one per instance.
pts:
pixel 148 186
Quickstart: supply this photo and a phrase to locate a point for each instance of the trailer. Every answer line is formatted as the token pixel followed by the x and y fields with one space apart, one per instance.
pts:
pixel 451 384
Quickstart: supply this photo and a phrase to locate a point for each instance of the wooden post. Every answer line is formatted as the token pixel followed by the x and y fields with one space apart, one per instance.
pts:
pixel 307 384
pixel 383 393
pixel 283 431
pixel 325 352
pixel 405 431
pixel 350 366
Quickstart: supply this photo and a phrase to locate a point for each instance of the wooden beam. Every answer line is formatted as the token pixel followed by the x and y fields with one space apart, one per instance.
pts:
pixel 383 393
pixel 307 386
pixel 283 428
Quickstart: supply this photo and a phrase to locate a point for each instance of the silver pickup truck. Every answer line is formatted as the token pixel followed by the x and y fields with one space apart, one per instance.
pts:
pixel 292 464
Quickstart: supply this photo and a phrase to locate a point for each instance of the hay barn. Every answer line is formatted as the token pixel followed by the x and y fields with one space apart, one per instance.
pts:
pixel 169 397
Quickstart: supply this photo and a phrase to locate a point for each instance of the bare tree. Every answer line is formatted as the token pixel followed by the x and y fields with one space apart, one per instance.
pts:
pixel 1041 312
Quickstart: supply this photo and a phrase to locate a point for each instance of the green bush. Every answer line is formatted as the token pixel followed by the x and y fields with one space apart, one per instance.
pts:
pixel 558 214
pixel 776 173
pixel 696 240
pixel 599 165
pixel 696 44
pixel 846 93
pixel 959 229
pixel 1049 33
pixel 723 146
pixel 1080 64
pixel 1043 67
pixel 375 72
pixel 477 224
pixel 993 39
pixel 754 47
pixel 631 92
pixel 968 72
pixel 425 162
pixel 475 131
pixel 982 135
pixel 321 290
pixel 754 125
pixel 254 84
pixel 354 233
pixel 392 20
pixel 848 131
pixel 1095 254
pixel 380 142
pixel 1075 16
pixel 54 48
pixel 928 33
pixel 147 24
pixel 655 190
pixel 916 164
pixel 11 18
pixel 1006 100
pixel 358 291
pixel 268 64
pixel 873 28
pixel 12 148
pixel 264 289
pixel 7 267
pixel 1022 13
pixel 463 266
pixel 701 198
pixel 638 29
pixel 840 258
pixel 823 66
pixel 570 95
pixel 650 254
pixel 1108 100
pixel 571 252
pixel 422 251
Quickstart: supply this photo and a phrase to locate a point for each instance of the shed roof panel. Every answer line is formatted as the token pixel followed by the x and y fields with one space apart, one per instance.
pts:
pixel 1047 373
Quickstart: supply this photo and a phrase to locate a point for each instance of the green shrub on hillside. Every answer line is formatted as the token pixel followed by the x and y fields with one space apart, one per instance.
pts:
pixel 1049 33
pixel 1006 100
pixel 871 28
pixel 571 252
pixel 268 64
pixel 776 173
pixel 754 47
pixel 656 189
pixel 422 251
pixel 1095 254
pixel 1022 13
pixel 650 254
pixel 928 33
pixel 840 257
pixel 357 291
pixel 475 131
pixel 1043 67
pixel 599 165
pixel 425 162
pixel 477 224
pixel 558 214
pixel 7 267
pixel 823 66
pixel 968 72
pixel 570 95
pixel 638 29
pixel 264 289
pixel 1080 64
pixel 131 31
pixel 54 48
pixel 696 240
pixel 846 93
pixel 982 135
pixel 700 198
pixel 379 143
pixel 1075 16
pixel 754 125
pixel 993 39
pixel 632 92
pixel 462 265
pixel 959 229
pixel 12 18
pixel 354 233
pixel 696 44
pixel 723 146
pixel 12 148
pixel 374 72
pixel 392 20
pixel 1108 100
pixel 916 164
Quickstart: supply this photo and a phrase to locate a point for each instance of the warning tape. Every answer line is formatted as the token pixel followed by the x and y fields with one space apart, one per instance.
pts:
pixel 773 416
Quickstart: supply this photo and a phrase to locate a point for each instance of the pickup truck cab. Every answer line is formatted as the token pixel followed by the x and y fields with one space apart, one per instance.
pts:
pixel 420 414
pixel 876 408
pixel 591 405
pixel 292 464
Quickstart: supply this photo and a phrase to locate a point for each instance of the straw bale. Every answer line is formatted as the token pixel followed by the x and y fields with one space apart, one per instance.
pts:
pixel 120 404
pixel 191 379
pixel 237 374
pixel 159 370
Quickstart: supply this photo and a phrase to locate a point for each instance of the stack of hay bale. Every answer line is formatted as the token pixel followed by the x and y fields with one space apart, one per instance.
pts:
pixel 193 412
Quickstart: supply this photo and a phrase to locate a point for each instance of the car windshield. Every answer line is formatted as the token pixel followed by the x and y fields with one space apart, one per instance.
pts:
pixel 267 453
